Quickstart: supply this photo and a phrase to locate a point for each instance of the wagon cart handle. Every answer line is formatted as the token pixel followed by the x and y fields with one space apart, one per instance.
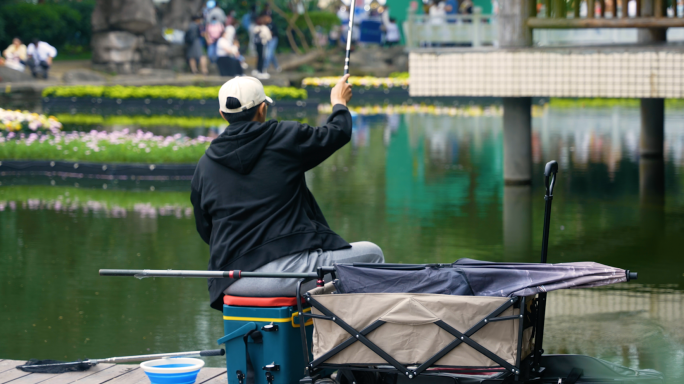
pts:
pixel 550 176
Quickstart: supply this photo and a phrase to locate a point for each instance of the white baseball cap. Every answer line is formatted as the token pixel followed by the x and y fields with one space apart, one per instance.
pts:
pixel 248 90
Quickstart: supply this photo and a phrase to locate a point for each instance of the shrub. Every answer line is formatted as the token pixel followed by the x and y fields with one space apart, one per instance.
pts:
pixel 163 92
pixel 56 23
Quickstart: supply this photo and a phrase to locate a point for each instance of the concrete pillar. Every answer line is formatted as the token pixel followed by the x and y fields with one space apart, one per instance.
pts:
pixel 517 222
pixel 517 122
pixel 512 21
pixel 513 33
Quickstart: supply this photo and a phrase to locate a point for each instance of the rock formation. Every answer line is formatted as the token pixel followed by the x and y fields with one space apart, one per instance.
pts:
pixel 127 34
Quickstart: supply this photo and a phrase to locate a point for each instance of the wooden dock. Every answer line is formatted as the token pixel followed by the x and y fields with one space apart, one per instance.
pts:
pixel 101 373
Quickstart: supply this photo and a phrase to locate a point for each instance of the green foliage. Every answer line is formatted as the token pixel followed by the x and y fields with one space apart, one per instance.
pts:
pixel 323 19
pixel 607 103
pixel 62 24
pixel 163 92
pixel 140 121
pixel 399 75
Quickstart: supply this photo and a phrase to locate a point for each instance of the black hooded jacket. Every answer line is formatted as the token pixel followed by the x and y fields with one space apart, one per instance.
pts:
pixel 250 198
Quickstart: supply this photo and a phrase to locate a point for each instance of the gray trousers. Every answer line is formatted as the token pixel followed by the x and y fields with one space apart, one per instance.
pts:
pixel 361 252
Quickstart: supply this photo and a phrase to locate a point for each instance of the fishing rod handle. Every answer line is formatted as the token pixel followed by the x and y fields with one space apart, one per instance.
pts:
pixel 130 359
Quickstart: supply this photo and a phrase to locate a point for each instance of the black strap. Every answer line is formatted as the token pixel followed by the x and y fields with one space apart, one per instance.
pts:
pixel 258 338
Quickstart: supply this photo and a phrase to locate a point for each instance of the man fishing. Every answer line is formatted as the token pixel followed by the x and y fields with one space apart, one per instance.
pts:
pixel 251 202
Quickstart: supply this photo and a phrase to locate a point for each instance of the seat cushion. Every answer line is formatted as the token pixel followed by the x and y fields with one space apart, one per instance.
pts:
pixel 239 301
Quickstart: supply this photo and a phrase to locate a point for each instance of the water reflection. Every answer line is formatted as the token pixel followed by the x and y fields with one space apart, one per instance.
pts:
pixel 425 188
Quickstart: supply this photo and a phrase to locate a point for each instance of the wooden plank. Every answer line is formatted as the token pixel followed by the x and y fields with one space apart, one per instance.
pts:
pixel 208 374
pixel 106 374
pixel 6 365
pixel 34 378
pixel 221 379
pixel 12 374
pixel 70 377
pixel 136 376
pixel 642 22
pixel 591 7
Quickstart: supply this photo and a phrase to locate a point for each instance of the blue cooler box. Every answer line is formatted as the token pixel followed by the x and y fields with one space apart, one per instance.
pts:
pixel 268 330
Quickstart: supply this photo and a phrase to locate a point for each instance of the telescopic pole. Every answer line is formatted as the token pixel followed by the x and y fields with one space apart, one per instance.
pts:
pixel 349 36
pixel 143 273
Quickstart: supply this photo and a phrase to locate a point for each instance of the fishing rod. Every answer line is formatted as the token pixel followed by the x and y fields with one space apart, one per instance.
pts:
pixel 53 366
pixel 349 36
pixel 236 274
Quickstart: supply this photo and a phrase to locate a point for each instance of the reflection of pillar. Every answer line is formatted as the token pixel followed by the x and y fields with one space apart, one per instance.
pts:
pixel 517 140
pixel 517 221
pixel 652 182
pixel 652 164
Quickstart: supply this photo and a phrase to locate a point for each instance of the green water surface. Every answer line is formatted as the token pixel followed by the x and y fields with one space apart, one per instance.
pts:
pixel 425 188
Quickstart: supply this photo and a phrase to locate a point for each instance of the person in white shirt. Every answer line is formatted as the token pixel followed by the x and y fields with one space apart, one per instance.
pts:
pixel 40 55
pixel 438 12
pixel 392 35
pixel 228 54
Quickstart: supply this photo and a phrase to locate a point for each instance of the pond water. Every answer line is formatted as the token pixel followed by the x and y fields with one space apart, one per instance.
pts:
pixel 426 188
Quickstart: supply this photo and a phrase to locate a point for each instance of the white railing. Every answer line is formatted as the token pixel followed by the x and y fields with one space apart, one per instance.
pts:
pixel 456 30
pixel 480 30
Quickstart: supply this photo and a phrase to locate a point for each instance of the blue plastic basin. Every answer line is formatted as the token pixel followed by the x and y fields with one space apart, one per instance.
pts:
pixel 172 371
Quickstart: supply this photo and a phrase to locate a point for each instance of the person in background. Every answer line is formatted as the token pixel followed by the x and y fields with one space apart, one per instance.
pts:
pixel 392 36
pixel 451 8
pixel 467 7
pixel 193 42
pixel 214 31
pixel 437 12
pixel 248 22
pixel 228 54
pixel 272 44
pixel 15 55
pixel 40 55
pixel 262 35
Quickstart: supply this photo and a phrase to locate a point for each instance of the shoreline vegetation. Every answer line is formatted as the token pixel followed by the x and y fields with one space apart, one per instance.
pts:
pixel 141 120
pixel 114 203
pixel 103 147
pixel 162 92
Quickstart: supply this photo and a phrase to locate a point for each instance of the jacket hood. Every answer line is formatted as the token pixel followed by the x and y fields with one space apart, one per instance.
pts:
pixel 240 146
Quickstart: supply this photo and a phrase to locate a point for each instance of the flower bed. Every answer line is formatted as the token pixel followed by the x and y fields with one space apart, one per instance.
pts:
pixel 358 81
pixel 16 121
pixel 162 92
pixel 103 147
